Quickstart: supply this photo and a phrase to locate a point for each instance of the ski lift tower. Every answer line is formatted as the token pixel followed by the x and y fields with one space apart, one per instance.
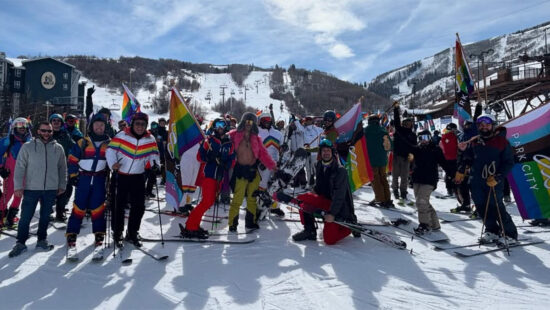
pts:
pixel 114 106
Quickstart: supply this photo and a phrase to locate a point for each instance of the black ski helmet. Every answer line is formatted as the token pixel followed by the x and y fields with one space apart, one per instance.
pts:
pixel 329 116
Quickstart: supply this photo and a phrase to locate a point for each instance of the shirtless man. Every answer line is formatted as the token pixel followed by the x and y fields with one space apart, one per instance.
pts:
pixel 246 179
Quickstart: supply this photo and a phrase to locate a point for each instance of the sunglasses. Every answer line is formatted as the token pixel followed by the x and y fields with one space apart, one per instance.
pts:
pixel 219 125
pixel 484 120
pixel 56 120
pixel 46 130
pixel 266 120
pixel 142 124
pixel 249 122
pixel 424 137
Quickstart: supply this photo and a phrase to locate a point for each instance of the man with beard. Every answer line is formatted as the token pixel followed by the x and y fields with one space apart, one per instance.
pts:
pixel 40 174
pixel 490 158
pixel 129 155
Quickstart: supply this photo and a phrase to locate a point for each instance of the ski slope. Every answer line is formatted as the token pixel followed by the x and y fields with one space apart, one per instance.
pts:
pixel 276 273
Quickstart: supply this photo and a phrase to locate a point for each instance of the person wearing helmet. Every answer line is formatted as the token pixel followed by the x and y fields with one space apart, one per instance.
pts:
pixel 424 178
pixel 129 154
pixel 217 152
pixel 61 135
pixel 379 144
pixel 250 151
pixel 9 148
pixel 449 145
pixel 331 197
pixel 489 158
pixel 403 139
pixel 329 118
pixel 272 140
pixel 87 168
pixel 70 126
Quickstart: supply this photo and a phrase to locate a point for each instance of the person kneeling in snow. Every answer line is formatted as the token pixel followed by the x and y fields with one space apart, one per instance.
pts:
pixel 331 196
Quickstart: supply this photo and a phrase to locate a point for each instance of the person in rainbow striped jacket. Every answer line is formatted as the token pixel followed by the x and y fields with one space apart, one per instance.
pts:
pixel 129 154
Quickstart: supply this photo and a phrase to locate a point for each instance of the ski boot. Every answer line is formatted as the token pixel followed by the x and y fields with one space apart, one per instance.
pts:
pixel 422 229
pixel 194 234
pixel 72 254
pixel 97 255
pixel 117 238
pixel 461 209
pixel 134 239
pixel 278 212
pixel 17 249
pixel 186 209
pixel 488 237
pixel 306 234
pixel 540 222
pixel 11 218
pixel 396 194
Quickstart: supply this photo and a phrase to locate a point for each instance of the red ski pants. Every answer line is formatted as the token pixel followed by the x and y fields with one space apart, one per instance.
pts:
pixel 312 203
pixel 209 191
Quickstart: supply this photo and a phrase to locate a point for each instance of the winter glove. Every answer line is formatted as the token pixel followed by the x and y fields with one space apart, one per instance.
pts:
pixel 410 157
pixel 73 181
pixel 4 173
pixel 155 168
pixel 459 177
pixel 491 181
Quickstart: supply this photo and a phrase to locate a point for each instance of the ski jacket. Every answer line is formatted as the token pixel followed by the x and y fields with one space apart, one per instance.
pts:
pixel 135 155
pixel 88 157
pixel 62 137
pixel 312 135
pixel 403 137
pixel 43 166
pixel 218 155
pixel 485 157
pixel 332 183
pixel 378 156
pixel 449 145
pixel 426 159
pixel 257 146
pixel 10 146
pixel 272 140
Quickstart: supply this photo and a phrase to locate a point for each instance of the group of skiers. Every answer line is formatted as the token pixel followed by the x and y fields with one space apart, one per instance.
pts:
pixel 114 172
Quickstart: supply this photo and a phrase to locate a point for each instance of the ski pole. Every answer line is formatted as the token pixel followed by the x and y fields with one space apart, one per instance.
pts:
pixel 160 219
pixel 485 216
pixel 114 203
pixel 501 222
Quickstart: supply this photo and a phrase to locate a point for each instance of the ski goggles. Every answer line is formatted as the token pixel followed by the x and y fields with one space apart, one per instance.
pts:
pixel 219 124
pixel 424 137
pixel 484 120
pixel 20 125
pixel 265 120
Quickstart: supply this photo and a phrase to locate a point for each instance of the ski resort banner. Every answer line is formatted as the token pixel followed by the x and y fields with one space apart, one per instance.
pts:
pixel 529 179
pixel 184 135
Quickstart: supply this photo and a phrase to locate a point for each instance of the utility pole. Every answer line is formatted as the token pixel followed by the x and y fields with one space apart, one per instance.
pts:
pixel 231 102
pixel 257 83
pixel 131 70
pixel 481 56
pixel 245 89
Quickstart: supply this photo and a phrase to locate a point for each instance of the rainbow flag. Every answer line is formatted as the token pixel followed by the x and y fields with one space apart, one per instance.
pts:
pixel 464 84
pixel 529 135
pixel 430 122
pixel 184 135
pixel 130 105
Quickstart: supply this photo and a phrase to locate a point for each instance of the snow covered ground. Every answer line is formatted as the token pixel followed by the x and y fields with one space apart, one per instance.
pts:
pixel 276 273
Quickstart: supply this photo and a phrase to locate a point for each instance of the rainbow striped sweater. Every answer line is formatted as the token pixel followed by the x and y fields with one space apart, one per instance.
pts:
pixel 134 155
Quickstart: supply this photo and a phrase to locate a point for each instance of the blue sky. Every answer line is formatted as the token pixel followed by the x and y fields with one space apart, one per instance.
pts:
pixel 351 39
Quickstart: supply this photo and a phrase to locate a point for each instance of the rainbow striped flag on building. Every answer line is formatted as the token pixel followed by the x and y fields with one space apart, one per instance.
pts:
pixel 130 105
pixel 529 135
pixel 464 84
pixel 184 135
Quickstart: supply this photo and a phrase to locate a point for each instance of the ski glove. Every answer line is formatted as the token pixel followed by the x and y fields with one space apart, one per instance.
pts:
pixel 491 181
pixel 73 181
pixel 4 173
pixel 459 177
pixel 155 168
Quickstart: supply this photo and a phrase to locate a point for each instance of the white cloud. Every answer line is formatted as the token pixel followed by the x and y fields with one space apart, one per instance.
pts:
pixel 325 20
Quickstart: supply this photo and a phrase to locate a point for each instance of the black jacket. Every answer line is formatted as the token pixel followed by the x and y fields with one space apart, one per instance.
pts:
pixel 332 183
pixel 403 137
pixel 426 159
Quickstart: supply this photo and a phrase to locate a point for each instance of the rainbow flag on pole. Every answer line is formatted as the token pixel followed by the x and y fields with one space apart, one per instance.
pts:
pixel 130 105
pixel 184 135
pixel 464 84
pixel 529 135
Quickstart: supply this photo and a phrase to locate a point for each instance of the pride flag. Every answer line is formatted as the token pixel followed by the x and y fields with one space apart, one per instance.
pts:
pixel 529 135
pixel 464 84
pixel 184 135
pixel 130 105
pixel 430 122
pixel 357 162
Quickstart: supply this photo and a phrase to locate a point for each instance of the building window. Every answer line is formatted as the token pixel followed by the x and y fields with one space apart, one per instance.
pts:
pixel 65 76
pixel 65 86
pixel 17 72
pixel 16 84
